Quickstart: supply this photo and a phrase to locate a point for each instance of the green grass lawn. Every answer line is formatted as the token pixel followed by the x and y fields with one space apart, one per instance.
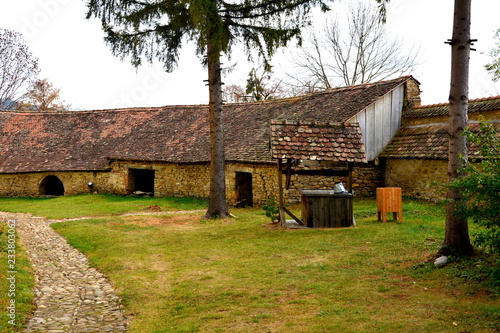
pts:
pixel 94 205
pixel 179 273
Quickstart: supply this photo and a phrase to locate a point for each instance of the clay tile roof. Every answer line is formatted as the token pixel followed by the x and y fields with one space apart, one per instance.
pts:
pixel 438 110
pixel 87 140
pixel 338 105
pixel 425 142
pixel 302 140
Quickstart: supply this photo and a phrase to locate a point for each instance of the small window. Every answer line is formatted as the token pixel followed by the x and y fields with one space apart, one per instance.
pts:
pixel 51 185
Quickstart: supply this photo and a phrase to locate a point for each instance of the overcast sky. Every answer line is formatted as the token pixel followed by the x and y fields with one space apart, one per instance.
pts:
pixel 74 57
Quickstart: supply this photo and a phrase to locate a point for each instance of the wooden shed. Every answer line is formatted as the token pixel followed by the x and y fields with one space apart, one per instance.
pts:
pixel 293 142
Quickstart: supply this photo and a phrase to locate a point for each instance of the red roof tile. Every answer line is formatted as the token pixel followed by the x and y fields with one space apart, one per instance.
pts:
pixel 438 110
pixel 425 142
pixel 302 140
pixel 86 140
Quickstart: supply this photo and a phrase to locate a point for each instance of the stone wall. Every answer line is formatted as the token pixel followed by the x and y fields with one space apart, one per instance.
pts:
pixel 193 180
pixel 28 184
pixel 412 95
pixel 181 180
pixel 170 179
pixel 365 179
pixel 186 180
pixel 424 179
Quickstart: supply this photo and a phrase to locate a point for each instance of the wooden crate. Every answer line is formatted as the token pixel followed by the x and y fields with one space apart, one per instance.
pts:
pixel 325 209
pixel 389 200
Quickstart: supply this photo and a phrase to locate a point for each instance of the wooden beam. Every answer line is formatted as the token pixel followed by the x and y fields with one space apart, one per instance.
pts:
pixel 350 167
pixel 282 219
pixel 299 221
pixel 324 172
pixel 288 173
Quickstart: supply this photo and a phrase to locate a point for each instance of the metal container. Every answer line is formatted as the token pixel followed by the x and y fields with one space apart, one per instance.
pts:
pixel 339 188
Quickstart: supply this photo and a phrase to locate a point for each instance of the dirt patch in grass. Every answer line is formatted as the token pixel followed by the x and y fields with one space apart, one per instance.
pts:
pixel 172 220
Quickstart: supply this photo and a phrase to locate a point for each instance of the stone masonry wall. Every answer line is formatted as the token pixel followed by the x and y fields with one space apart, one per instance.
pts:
pixel 193 180
pixel 264 181
pixel 424 179
pixel 183 180
pixel 28 184
pixel 412 95
pixel 186 180
pixel 365 179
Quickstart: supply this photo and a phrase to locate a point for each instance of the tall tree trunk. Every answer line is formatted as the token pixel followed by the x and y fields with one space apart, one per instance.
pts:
pixel 456 239
pixel 217 204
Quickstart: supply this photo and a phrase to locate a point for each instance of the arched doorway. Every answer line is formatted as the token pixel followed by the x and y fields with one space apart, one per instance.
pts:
pixel 51 185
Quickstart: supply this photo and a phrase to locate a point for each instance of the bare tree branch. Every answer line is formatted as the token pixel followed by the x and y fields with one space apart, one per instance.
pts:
pixel 17 68
pixel 357 51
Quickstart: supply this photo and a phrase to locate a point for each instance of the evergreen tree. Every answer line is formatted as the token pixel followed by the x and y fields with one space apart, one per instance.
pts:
pixel 156 29
pixel 457 240
pixel 261 86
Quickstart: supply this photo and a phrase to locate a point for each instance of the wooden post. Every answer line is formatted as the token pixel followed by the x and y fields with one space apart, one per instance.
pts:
pixel 288 173
pixel 350 167
pixel 282 220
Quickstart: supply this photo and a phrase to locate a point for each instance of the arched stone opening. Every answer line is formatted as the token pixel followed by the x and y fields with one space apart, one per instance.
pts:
pixel 51 185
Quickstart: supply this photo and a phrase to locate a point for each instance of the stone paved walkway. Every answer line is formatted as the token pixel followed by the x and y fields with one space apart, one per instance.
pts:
pixel 70 295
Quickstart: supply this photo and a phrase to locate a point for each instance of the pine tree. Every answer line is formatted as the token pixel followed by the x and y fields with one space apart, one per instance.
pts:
pixel 156 29
pixel 457 240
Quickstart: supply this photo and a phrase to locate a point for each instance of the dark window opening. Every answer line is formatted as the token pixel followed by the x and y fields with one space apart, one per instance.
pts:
pixel 51 185
pixel 142 180
pixel 244 195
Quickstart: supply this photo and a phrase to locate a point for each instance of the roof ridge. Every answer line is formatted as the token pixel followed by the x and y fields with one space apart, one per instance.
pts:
pixel 475 100
pixel 326 91
pixel 361 85
pixel 126 109
pixel 147 108
pixel 271 101
pixel 316 123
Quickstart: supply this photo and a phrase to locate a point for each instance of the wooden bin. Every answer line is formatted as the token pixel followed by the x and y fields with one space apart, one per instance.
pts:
pixel 389 200
pixel 325 209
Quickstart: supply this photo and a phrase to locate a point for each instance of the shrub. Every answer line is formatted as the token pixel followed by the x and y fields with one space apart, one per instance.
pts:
pixel 271 208
pixel 481 188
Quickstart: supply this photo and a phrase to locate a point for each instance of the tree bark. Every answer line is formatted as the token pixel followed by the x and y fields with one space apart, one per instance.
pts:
pixel 457 239
pixel 217 202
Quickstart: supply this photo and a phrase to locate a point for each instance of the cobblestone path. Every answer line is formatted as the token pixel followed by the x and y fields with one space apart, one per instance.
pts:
pixel 70 296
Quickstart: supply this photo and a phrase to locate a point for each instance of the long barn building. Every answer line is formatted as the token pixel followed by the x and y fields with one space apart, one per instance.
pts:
pixel 164 151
